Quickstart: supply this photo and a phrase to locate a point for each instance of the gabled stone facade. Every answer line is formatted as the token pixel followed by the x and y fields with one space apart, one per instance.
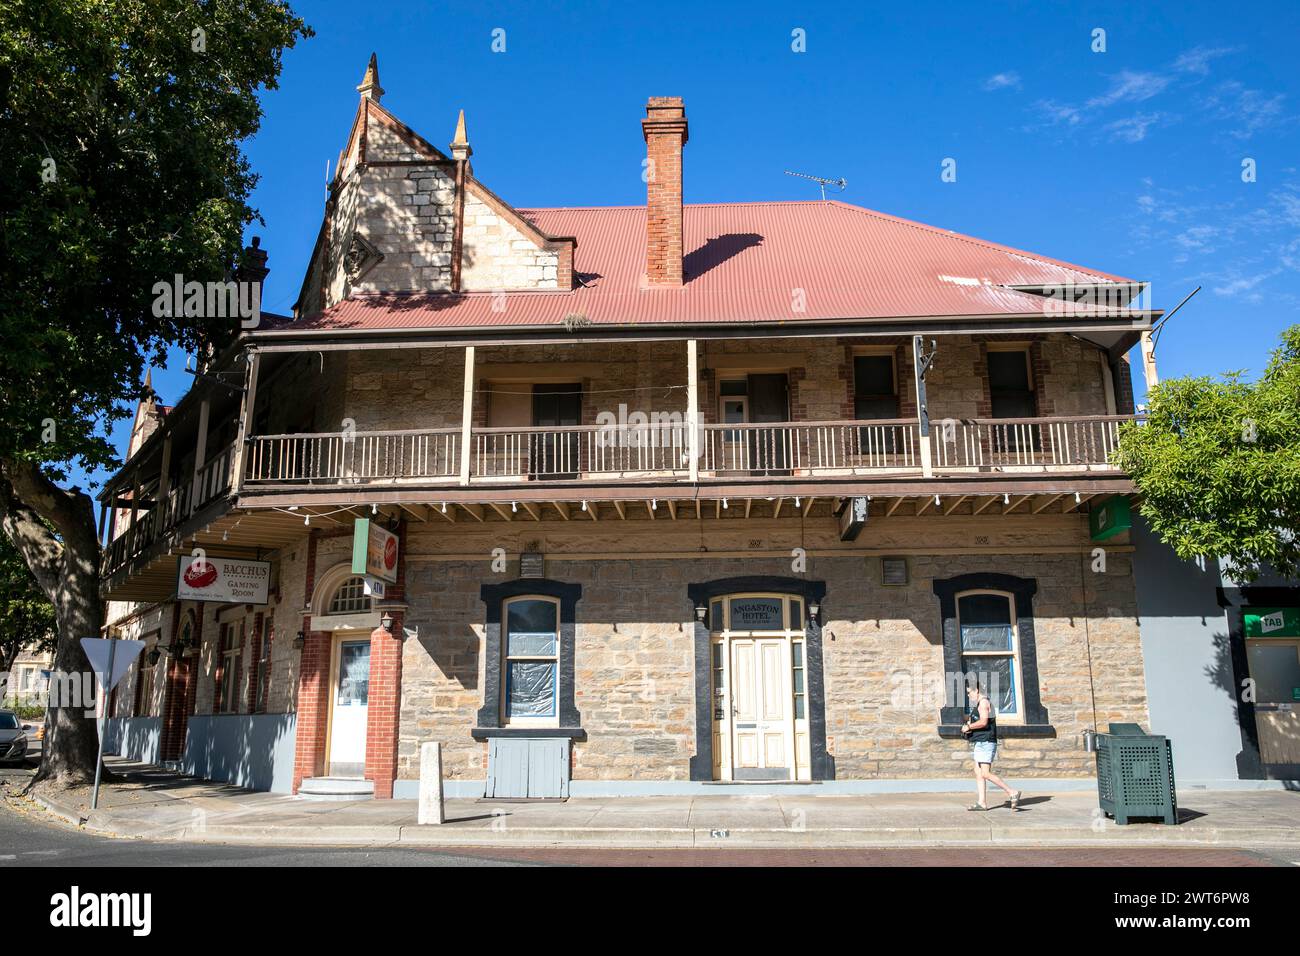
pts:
pixel 396 221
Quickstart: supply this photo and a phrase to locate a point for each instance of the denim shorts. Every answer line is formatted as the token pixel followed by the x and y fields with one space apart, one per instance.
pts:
pixel 984 751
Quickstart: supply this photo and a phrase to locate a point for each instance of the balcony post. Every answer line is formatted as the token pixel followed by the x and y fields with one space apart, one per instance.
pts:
pixel 247 403
pixel 164 483
pixel 693 408
pixel 200 452
pixel 466 415
pixel 135 508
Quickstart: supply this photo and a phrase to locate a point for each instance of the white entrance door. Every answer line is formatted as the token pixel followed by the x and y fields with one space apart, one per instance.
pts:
pixel 760 717
pixel 349 705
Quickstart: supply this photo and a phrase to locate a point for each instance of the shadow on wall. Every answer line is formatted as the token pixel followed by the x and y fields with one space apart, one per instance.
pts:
pixel 1220 674
pixel 246 750
pixel 136 738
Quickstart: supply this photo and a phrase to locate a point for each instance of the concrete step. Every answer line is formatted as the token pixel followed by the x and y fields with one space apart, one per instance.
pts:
pixel 336 788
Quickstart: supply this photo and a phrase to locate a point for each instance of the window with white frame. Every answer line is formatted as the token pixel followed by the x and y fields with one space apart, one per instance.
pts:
pixel 989 647
pixel 530 659
pixel 232 646
pixel 350 598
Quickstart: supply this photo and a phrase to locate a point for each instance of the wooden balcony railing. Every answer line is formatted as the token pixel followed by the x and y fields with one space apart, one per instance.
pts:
pixel 569 452
pixel 1026 444
pixel 212 481
pixel 353 457
pixel 662 451
pixel 824 448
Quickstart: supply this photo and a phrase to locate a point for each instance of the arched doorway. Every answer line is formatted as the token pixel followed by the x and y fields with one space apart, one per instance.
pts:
pixel 345 612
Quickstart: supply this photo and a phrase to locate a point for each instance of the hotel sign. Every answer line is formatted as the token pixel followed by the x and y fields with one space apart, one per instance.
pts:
pixel 1273 622
pixel 222 580
pixel 374 551
pixel 757 614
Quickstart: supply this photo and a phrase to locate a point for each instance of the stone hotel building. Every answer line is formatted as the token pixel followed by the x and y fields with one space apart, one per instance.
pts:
pixel 632 500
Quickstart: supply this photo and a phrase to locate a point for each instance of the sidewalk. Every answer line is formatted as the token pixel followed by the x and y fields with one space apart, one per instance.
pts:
pixel 159 805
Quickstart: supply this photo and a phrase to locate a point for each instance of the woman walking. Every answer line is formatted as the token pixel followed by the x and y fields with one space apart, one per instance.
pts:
pixel 981 729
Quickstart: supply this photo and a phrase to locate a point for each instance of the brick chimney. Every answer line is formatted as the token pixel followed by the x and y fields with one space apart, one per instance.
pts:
pixel 664 127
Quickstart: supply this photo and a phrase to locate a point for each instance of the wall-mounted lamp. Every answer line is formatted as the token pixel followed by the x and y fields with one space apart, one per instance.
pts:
pixel 814 611
pixel 700 611
pixel 300 641
pixel 154 655
pixel 386 622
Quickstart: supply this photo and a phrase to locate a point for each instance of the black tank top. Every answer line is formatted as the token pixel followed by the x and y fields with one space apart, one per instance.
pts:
pixel 988 734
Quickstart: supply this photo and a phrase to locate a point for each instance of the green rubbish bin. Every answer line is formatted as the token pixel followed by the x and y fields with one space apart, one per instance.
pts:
pixel 1135 774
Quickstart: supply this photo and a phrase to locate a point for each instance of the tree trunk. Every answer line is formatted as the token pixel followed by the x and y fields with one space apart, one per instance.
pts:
pixel 65 562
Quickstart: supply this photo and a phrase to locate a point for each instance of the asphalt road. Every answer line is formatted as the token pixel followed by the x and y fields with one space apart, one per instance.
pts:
pixel 30 837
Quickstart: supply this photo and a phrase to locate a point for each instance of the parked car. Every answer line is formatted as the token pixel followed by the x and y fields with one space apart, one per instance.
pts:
pixel 13 738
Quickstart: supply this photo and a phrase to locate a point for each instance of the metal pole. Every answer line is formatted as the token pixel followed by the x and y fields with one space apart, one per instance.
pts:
pixel 103 722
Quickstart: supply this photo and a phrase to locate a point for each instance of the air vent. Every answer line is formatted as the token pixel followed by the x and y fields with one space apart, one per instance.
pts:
pixel 532 565
pixel 893 572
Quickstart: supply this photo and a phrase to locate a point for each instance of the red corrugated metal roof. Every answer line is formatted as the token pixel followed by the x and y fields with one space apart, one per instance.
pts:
pixel 746 262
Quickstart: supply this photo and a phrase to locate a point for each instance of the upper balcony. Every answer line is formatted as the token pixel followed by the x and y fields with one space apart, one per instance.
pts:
pixel 665 453
pixel 488 437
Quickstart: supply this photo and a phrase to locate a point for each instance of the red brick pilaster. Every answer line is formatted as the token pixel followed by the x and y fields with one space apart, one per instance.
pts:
pixel 383 716
pixel 313 685
pixel 1041 371
pixel 254 651
pixel 313 706
pixel 385 707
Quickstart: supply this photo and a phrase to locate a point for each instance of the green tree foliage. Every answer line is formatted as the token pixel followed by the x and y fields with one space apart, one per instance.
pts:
pixel 26 615
pixel 1218 465
pixel 121 123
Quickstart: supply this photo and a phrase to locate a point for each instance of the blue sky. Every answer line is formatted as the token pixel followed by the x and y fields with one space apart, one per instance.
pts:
pixel 1128 160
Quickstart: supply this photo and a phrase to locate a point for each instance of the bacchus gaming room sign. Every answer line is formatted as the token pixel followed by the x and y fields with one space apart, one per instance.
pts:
pixel 222 580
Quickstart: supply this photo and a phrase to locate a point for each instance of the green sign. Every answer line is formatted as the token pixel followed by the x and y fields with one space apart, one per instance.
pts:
pixel 1273 622
pixel 374 551
pixel 1110 518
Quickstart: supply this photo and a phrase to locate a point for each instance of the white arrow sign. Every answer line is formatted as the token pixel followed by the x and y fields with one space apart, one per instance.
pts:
pixel 110 660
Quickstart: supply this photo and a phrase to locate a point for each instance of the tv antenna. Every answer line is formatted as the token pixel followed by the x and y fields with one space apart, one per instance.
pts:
pixel 820 181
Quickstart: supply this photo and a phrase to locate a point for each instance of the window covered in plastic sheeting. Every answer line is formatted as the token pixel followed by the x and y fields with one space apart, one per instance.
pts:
pixel 988 647
pixel 531 658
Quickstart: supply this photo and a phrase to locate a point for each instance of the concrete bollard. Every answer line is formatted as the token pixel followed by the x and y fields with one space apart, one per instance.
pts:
pixel 430 784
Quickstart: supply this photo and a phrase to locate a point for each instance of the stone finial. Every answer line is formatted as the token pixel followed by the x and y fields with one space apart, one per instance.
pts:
pixel 460 148
pixel 370 88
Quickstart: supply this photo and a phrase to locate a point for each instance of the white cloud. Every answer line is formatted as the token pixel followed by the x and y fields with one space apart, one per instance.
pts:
pixel 1059 112
pixel 1001 81
pixel 1196 237
pixel 1244 283
pixel 1133 129
pixel 1130 87
pixel 1197 60
pixel 1246 111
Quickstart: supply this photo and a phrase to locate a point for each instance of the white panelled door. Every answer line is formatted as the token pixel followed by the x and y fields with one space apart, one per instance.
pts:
pixel 760 719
